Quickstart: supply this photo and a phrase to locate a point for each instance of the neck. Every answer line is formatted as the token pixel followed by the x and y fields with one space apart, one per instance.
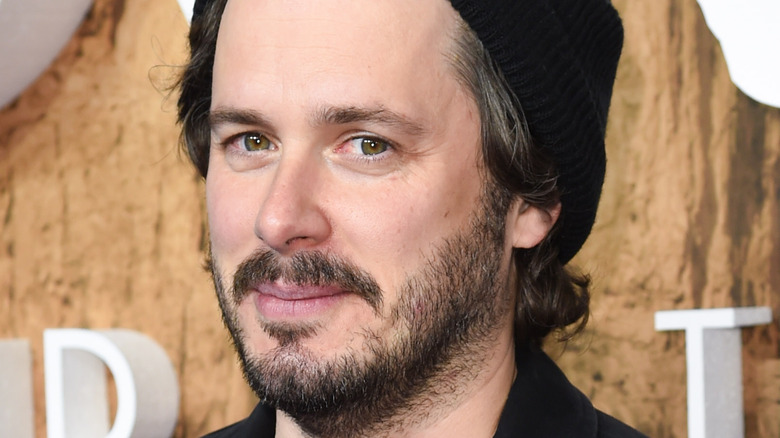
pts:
pixel 464 403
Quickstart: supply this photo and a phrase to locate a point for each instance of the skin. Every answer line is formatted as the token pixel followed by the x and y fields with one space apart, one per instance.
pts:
pixel 281 68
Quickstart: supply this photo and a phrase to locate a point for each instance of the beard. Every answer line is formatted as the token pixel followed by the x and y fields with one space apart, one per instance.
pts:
pixel 448 315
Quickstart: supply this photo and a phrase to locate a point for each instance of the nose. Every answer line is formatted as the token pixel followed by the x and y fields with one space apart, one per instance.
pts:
pixel 291 217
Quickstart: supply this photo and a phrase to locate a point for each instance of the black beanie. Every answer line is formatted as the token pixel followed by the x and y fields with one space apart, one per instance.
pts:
pixel 559 58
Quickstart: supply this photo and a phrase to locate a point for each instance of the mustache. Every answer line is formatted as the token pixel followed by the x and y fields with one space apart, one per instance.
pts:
pixel 310 268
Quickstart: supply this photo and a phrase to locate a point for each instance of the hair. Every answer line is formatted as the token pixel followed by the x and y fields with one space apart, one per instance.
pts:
pixel 550 296
pixel 195 85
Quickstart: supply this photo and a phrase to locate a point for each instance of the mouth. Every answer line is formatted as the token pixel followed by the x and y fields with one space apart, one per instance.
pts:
pixel 283 302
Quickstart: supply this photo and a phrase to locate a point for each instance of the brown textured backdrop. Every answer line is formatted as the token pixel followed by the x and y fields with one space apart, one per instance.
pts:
pixel 102 225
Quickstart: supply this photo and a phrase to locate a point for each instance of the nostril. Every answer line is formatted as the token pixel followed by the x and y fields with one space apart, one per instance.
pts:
pixel 293 240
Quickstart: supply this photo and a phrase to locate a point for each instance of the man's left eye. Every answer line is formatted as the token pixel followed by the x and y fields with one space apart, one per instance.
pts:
pixel 370 146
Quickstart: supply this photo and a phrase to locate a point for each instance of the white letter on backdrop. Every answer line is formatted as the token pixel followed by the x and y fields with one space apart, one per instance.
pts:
pixel 32 33
pixel 16 398
pixel 186 8
pixel 713 358
pixel 76 399
pixel 749 35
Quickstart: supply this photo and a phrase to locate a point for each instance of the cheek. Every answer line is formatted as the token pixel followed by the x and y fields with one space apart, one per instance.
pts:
pixel 393 232
pixel 230 216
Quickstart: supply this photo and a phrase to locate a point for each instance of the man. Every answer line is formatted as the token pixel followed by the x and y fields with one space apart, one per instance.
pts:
pixel 394 188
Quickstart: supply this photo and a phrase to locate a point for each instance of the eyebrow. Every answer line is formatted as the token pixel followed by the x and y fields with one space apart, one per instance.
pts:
pixel 235 116
pixel 378 115
pixel 329 115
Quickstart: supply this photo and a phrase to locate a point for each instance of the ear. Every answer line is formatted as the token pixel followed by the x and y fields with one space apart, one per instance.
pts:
pixel 528 224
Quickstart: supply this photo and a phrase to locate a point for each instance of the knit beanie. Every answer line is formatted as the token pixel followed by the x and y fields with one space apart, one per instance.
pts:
pixel 559 58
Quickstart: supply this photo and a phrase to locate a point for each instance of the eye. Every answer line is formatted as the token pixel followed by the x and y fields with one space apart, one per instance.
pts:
pixel 255 142
pixel 370 146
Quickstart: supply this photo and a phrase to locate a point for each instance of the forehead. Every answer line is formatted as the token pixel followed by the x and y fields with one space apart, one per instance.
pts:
pixel 397 19
pixel 320 49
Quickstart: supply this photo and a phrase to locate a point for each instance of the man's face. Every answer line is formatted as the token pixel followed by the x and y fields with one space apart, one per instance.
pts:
pixel 344 187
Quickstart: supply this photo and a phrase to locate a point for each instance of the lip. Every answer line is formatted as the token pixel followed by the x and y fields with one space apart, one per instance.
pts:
pixel 279 301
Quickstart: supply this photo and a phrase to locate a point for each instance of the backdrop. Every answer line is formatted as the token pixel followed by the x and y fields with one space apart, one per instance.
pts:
pixel 102 221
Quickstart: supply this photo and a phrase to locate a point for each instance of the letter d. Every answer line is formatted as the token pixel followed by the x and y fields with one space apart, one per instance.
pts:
pixel 76 398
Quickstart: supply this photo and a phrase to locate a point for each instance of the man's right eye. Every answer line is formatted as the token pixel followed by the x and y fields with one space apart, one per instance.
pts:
pixel 255 142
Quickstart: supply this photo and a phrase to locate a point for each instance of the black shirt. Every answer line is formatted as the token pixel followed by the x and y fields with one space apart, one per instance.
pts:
pixel 542 403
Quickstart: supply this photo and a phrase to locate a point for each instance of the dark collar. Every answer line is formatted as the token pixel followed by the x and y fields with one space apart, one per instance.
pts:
pixel 541 403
